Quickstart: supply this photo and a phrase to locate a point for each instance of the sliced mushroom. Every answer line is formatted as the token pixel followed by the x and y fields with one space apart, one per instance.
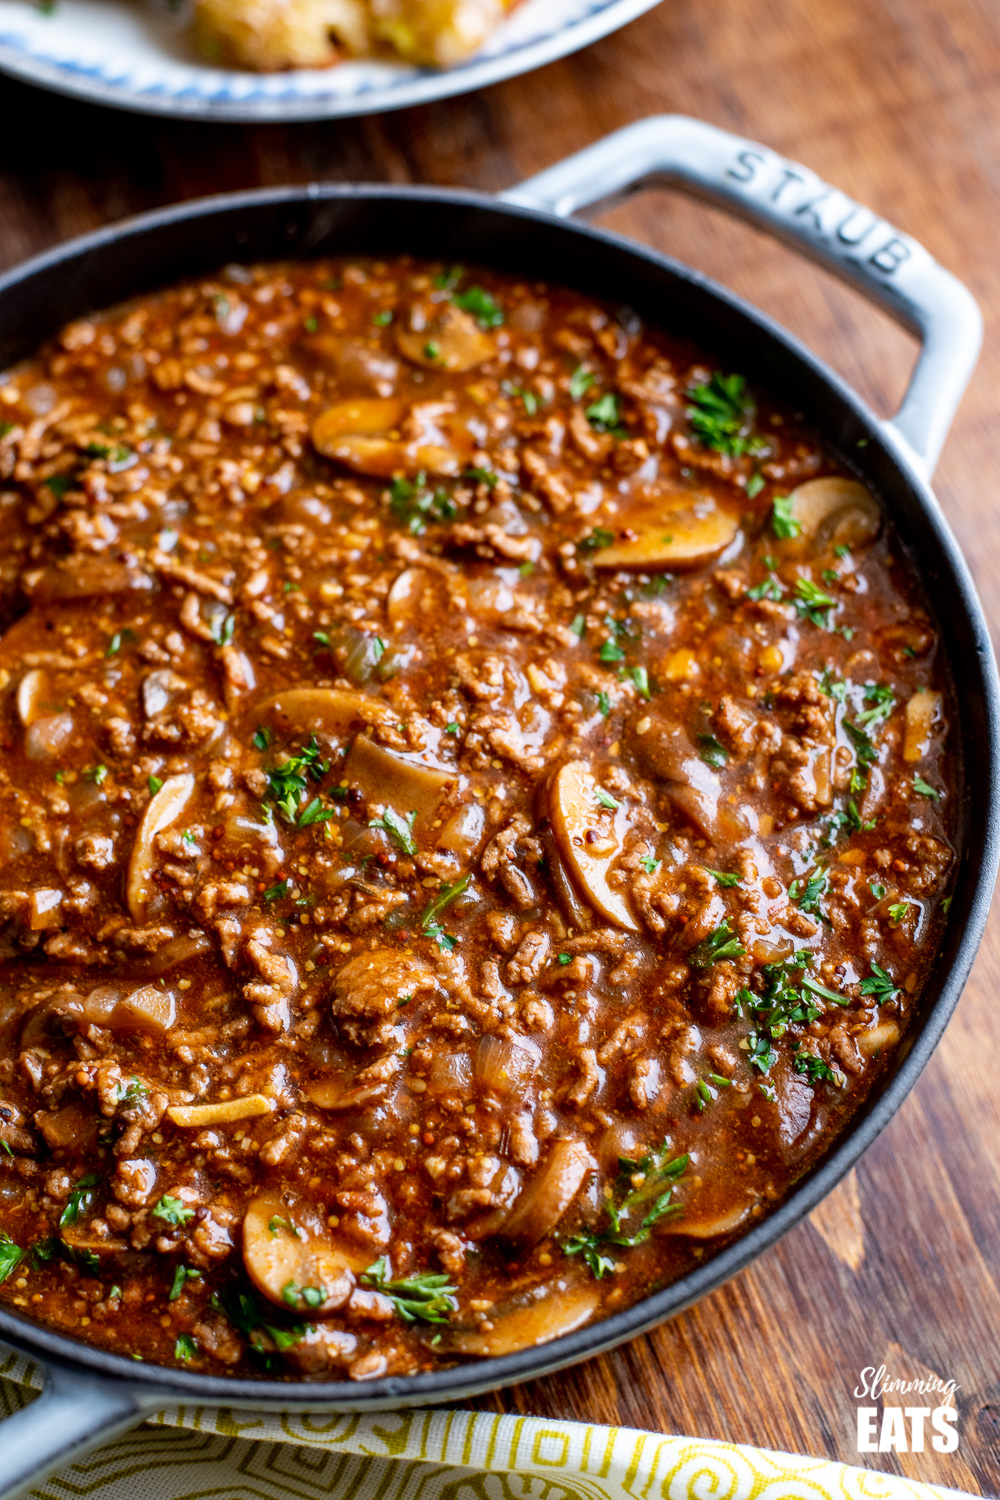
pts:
pixel 665 750
pixel 414 595
pixel 225 1112
pixel 162 810
pixel 366 435
pixel 291 1257
pixel 31 692
pixel 885 1034
pixel 669 531
pixel 921 712
pixel 833 512
pixel 708 1225
pixel 82 1239
pixel 336 711
pixel 405 782
pixel 443 337
pixel 590 837
pixel 464 831
pixel 338 1092
pixel 562 1311
pixel 49 735
pixel 542 1203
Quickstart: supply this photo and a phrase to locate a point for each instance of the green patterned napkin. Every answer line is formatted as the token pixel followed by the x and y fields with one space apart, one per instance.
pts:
pixel 205 1453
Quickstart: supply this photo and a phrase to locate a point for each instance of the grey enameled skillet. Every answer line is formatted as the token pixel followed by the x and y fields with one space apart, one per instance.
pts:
pixel 90 1395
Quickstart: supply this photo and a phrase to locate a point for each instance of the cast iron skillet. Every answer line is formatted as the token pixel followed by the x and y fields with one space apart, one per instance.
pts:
pixel 90 1395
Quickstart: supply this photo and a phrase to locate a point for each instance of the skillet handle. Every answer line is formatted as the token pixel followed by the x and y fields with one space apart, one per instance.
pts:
pixel 75 1413
pixel 794 204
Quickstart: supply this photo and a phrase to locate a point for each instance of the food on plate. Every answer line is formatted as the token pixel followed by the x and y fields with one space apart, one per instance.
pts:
pixel 269 35
pixel 475 819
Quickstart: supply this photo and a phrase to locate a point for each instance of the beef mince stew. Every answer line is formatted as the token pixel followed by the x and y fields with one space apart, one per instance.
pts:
pixel 474 816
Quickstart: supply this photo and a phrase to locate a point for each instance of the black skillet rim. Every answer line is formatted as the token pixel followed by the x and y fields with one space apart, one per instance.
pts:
pixel 970 908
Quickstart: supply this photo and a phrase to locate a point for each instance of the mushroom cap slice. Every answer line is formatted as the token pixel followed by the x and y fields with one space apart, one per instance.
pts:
pixel 707 1225
pixel 364 434
pixel 833 512
pixel 336 711
pixel 365 416
pixel 162 810
pixel 449 339
pixel 563 1310
pixel 922 710
pixel 405 782
pixel 575 813
pixel 31 691
pixel 672 531
pixel 292 1259
pixel 543 1201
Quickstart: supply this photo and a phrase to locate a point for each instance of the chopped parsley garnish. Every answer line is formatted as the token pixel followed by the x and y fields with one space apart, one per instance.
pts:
pixel 877 890
pixel 605 799
pixel 399 829
pixel 605 415
pixel 96 774
pixel 594 540
pixel 276 892
pixel 481 305
pixel 724 878
pixel 59 484
pixel 287 782
pixel 640 679
pixel 171 1211
pixel 720 945
pixel 712 751
pixel 578 625
pixel 806 893
pixel 315 813
pixel 783 523
pixel 755 484
pixel 245 1316
pixel 647 1188
pixel 880 985
pixel 425 1298
pixel 925 789
pixel 833 687
pixel 445 896
pixel 483 476
pixel 530 400
pixel 262 738
pixel 383 319
pixel 580 382
pixel 413 504
pixel 154 783
pixel 186 1347
pixel 79 1199
pixel 182 1275
pixel 721 415
pixel 452 728
pixel 898 910
pixel 295 1296
pixel 768 588
pixel 603 704
pixel 223 628
pixel 649 864
pixel 11 1255
pixel 761 1055
pixel 564 958
pixel 611 651
pixel 883 700
pixel 813 603
pixel 814 1068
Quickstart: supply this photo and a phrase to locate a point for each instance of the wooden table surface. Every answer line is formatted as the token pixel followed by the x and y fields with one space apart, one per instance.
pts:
pixel 898 102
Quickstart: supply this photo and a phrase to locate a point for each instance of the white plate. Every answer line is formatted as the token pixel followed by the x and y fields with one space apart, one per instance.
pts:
pixel 136 57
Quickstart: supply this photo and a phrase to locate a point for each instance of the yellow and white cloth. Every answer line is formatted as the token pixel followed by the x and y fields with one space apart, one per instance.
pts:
pixel 202 1453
